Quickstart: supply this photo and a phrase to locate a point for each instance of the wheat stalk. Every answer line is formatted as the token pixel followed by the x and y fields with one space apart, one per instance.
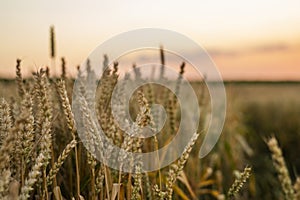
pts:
pixel 19 79
pixel 5 119
pixel 60 161
pixel 297 188
pixel 63 68
pixel 239 182
pixel 280 166
pixel 52 42
pixel 41 161
pixel 71 125
pixel 7 148
pixel 5 177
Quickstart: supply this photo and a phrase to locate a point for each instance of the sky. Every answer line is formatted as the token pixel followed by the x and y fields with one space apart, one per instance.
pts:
pixel 253 40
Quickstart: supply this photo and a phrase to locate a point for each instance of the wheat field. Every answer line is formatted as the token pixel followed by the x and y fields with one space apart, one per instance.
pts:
pixel 43 157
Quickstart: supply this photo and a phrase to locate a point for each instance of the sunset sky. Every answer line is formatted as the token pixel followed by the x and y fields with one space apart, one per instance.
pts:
pixel 253 40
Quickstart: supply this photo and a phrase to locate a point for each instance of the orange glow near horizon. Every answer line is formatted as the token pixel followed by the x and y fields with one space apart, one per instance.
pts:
pixel 277 64
pixel 271 63
pixel 256 40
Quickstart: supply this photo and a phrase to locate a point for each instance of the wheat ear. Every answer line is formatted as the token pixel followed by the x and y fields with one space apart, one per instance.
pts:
pixel 280 166
pixel 239 182
pixel 5 119
pixel 60 161
pixel 19 79
pixel 71 125
pixel 41 161
pixel 175 169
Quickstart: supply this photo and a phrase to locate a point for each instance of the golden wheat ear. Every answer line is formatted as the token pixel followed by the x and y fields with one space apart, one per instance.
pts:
pixel 239 182
pixel 19 79
pixel 71 125
pixel 281 168
pixel 5 120
pixel 297 188
pixel 175 169
pixel 7 148
pixel 60 161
